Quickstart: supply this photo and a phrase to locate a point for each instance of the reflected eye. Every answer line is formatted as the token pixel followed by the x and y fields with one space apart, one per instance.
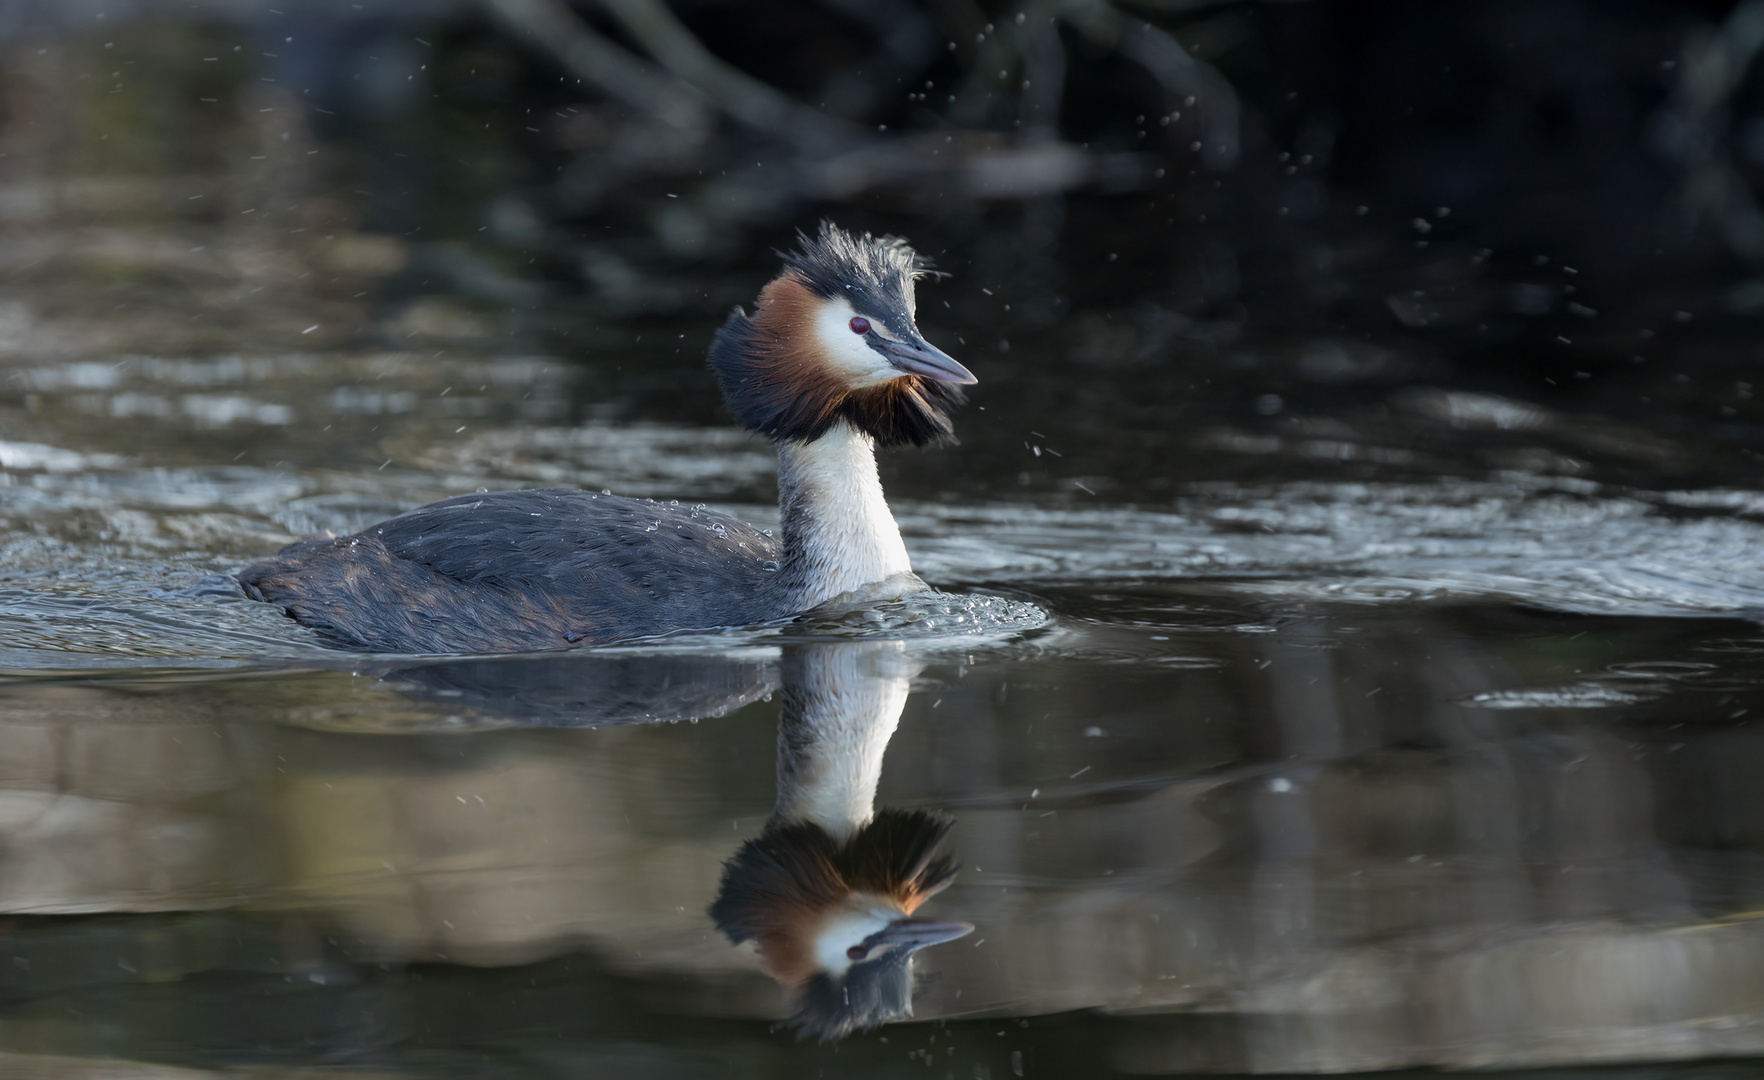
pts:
pixel 856 952
pixel 860 325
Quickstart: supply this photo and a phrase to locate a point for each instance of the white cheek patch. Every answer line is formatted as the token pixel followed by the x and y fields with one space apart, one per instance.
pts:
pixel 847 351
pixel 841 933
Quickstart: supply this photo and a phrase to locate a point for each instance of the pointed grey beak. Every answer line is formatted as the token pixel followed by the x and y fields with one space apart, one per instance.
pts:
pixel 920 357
pixel 915 934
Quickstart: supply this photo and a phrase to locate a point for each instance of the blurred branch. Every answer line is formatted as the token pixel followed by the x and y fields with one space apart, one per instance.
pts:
pixel 551 25
pixel 690 81
pixel 1044 77
pixel 746 99
pixel 1170 64
pixel 1715 67
pixel 1696 130
pixel 1030 44
pixel 909 44
pixel 978 165
pixel 1186 6
pixel 837 160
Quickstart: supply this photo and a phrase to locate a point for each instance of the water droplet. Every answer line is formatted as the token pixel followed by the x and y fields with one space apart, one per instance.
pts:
pixel 769 566
pixel 653 528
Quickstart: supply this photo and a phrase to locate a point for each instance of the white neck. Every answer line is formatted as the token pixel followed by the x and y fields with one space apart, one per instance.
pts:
pixel 838 533
pixel 841 706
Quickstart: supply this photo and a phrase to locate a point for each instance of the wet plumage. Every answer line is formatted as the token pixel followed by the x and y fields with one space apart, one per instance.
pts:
pixel 514 571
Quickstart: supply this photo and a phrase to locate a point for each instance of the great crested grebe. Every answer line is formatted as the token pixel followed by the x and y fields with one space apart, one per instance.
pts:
pixel 830 365
pixel 828 891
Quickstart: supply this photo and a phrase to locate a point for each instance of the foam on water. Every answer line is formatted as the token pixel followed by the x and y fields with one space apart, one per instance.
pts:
pixel 1582 695
pixel 926 617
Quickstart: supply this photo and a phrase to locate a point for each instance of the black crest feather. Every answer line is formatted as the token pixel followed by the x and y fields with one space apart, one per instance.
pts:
pixel 875 273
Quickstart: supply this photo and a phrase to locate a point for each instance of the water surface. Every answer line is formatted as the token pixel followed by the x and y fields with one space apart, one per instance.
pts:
pixel 1377 723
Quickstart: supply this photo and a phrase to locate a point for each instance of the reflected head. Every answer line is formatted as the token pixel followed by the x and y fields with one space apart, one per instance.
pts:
pixel 834 922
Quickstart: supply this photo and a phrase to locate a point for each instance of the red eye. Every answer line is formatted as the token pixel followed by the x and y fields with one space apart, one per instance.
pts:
pixel 856 952
pixel 860 325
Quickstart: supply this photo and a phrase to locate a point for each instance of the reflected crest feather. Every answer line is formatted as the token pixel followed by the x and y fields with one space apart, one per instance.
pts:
pixel 777 880
pixel 778 886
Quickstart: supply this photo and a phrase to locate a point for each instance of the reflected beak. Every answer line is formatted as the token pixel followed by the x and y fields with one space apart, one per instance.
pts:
pixel 915 934
pixel 919 357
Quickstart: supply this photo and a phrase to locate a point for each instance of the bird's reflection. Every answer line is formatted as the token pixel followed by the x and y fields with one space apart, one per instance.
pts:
pixel 590 689
pixel 827 892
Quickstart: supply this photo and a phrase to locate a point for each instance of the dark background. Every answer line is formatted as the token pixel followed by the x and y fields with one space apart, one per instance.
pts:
pixel 1552 199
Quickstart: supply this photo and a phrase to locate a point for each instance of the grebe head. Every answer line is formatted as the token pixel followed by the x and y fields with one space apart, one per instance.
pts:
pixel 834 921
pixel 832 338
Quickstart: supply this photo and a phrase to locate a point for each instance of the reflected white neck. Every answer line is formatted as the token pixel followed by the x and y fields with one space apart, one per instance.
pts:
pixel 838 532
pixel 842 704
